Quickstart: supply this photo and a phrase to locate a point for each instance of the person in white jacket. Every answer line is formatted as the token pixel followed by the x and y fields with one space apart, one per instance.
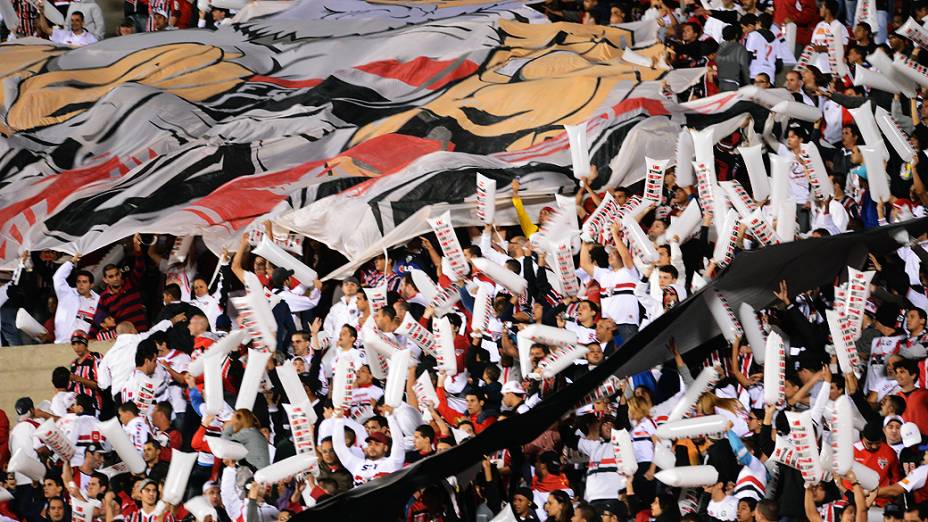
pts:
pixel 93 16
pixel 76 305
pixel 119 362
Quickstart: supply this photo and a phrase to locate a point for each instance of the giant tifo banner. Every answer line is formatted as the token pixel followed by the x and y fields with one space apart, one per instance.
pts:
pixel 320 106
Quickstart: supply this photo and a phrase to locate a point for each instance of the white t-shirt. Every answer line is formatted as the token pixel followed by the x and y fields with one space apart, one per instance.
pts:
pixel 363 396
pixel 22 438
pixel 61 402
pixel 179 362
pixel 584 335
pixel 623 307
pixel 783 50
pixel 820 36
pixel 881 349
pixel 602 480
pixel 67 37
pixel 833 115
pixel 641 440
pixel 798 180
pixel 915 479
pixel 764 55
pixel 138 433
pixel 86 309
pixel 352 353
pixel 726 509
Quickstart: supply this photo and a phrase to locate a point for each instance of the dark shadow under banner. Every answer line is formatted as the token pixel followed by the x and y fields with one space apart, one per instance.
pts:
pixel 751 278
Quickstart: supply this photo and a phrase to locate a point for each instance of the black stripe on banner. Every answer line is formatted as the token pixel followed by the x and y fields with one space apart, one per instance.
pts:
pixel 750 278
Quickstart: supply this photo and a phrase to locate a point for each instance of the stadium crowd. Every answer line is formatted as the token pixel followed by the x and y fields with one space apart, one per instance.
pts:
pixel 322 416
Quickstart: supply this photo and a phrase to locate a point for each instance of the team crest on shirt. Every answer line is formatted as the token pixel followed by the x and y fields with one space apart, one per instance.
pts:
pixel 882 463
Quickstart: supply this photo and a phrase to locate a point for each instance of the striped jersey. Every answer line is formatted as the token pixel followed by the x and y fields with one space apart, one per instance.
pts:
pixel 125 303
pixel 88 368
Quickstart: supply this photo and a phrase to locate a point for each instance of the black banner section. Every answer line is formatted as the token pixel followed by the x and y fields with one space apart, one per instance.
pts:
pixel 751 278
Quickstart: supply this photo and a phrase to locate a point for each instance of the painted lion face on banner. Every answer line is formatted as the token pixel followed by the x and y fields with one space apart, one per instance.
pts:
pixel 511 94
pixel 192 71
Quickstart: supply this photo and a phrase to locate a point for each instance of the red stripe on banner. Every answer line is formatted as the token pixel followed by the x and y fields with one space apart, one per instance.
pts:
pixel 391 152
pixel 717 105
pixel 58 187
pixel 283 82
pixel 241 200
pixel 421 71
pixel 30 216
pixel 649 105
pixel 14 231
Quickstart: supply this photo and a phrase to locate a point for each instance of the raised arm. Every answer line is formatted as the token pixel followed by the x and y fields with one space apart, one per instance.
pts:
pixel 433 254
pixel 397 452
pixel 138 265
pixel 626 256
pixel 528 227
pixel 586 262
pixel 411 388
pixel 351 462
pixel 809 503
pixel 735 367
pixel 154 255
pixel 237 260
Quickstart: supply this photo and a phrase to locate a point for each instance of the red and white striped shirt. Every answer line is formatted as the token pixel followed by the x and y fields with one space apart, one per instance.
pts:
pixel 88 368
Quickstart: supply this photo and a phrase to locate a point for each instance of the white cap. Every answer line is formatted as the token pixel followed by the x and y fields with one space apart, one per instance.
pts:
pixel 513 387
pixel 910 435
pixel 891 418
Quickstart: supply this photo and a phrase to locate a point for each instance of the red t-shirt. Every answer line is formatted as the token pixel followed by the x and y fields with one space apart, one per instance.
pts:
pixel 884 462
pixel 916 408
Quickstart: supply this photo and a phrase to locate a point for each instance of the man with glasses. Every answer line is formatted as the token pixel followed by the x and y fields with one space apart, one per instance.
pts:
pixel 299 345
pixel 762 81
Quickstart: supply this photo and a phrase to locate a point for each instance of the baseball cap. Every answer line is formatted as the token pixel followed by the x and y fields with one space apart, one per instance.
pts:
pixel 610 506
pixel 79 336
pixel 910 435
pixel 513 387
pixel 378 437
pixel 892 418
pixel 525 492
pixel 161 12
pixel 95 448
pixel 351 279
pixel 893 511
pixel 210 484
pixel 24 405
pixel 280 276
